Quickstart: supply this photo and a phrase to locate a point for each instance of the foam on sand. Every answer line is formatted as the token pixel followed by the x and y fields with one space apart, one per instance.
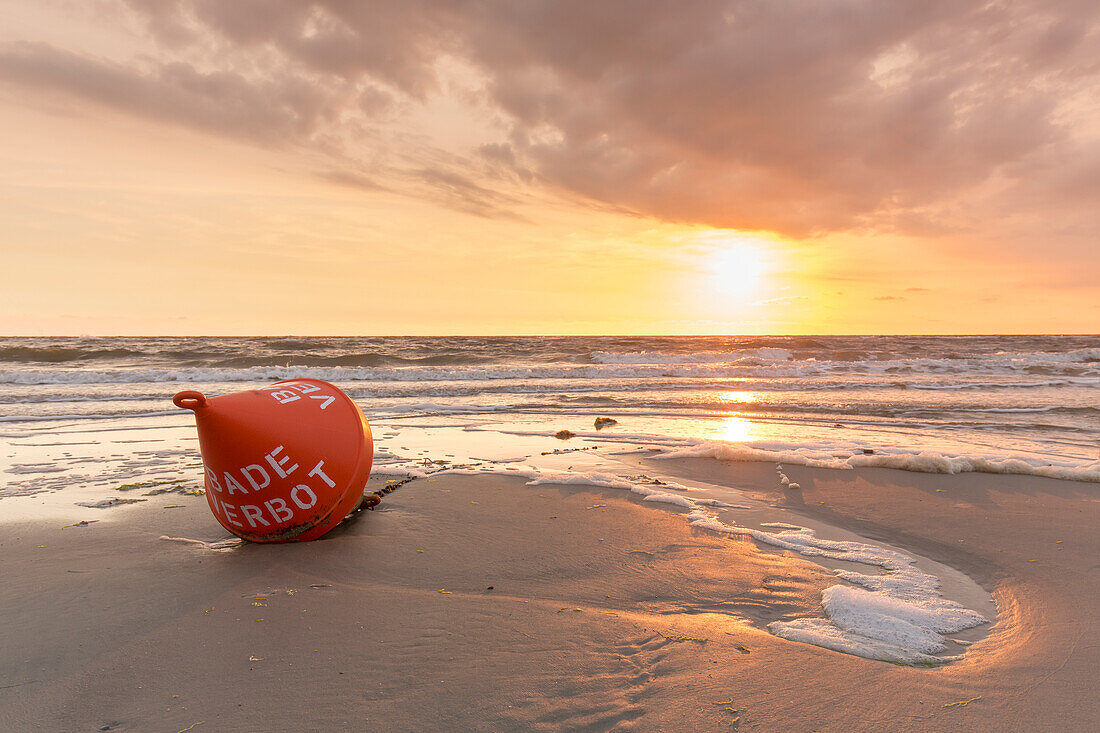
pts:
pixel 898 616
pixel 880 626
pixel 848 457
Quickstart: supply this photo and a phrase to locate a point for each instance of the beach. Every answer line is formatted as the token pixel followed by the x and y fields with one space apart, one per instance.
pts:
pixel 541 366
pixel 481 603
pixel 535 366
pixel 586 534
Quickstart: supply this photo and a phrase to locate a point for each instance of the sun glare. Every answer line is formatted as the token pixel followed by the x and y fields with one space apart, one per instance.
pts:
pixel 735 430
pixel 739 397
pixel 738 269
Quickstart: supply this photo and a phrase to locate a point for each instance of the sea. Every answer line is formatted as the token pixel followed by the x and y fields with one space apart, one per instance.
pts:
pixel 999 403
pixel 87 425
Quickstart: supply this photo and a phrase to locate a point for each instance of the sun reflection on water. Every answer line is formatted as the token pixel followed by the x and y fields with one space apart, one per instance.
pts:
pixel 739 396
pixel 733 428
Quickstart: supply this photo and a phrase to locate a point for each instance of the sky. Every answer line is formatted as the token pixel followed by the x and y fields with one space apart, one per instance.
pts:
pixel 549 167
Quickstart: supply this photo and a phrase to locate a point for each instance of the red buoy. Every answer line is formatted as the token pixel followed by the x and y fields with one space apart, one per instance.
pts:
pixel 284 463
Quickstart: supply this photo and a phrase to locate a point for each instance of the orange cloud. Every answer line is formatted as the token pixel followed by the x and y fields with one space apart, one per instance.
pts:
pixel 793 117
pixel 950 145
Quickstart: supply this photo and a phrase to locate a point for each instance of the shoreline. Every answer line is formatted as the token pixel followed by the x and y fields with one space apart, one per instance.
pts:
pixel 390 622
pixel 874 503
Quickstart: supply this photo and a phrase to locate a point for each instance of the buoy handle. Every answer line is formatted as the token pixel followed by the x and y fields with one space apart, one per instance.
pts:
pixel 189 400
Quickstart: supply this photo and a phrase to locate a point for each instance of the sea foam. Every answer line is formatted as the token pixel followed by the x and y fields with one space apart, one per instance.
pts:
pixel 922 461
pixel 899 616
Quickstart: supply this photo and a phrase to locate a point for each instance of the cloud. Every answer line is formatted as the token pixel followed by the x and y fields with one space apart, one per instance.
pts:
pixel 465 195
pixel 935 118
pixel 351 180
pixel 221 101
pixel 889 297
pixel 766 115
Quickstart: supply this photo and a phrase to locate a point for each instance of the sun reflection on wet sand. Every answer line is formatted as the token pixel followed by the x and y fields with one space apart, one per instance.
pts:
pixel 736 429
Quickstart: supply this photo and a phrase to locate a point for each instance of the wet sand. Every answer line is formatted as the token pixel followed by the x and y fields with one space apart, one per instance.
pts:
pixel 478 603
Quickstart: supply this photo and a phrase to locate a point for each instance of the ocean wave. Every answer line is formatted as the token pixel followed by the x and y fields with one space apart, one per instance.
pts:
pixel 754 356
pixel 88 416
pixel 1005 385
pixel 289 343
pixel 1048 408
pixel 60 355
pixel 436 408
pixel 369 359
pixel 571 390
pixel 424 370
pixel 317 351
pixel 72 397
pixel 1075 356
pixel 1011 410
pixel 947 360
pixel 355 374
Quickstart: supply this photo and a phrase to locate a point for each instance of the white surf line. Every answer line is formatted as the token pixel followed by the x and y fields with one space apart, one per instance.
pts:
pixel 897 616
pixel 923 462
pixel 843 455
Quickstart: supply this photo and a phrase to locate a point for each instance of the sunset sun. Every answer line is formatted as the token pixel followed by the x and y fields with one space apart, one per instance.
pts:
pixel 739 269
